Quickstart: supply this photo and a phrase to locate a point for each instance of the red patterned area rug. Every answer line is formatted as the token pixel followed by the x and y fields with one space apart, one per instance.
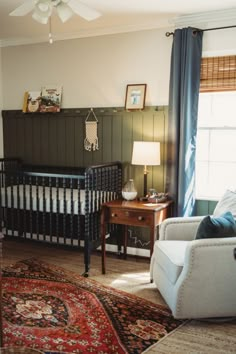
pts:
pixel 53 310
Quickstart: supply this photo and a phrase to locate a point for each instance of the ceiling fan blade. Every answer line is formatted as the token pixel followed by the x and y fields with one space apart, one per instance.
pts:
pixel 64 12
pixel 82 10
pixel 23 9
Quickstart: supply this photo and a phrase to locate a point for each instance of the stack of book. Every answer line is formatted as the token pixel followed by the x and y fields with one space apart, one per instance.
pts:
pixel 46 100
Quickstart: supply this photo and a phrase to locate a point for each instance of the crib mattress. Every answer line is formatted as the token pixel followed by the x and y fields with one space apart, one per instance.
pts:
pixel 50 199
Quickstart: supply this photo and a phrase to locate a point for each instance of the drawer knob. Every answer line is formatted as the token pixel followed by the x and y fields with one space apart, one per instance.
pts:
pixel 113 215
pixel 140 218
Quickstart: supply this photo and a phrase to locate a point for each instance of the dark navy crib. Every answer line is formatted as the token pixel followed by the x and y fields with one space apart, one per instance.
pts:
pixel 57 205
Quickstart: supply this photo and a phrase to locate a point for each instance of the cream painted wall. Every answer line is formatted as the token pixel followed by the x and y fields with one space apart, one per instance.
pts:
pixel 93 71
pixel 221 42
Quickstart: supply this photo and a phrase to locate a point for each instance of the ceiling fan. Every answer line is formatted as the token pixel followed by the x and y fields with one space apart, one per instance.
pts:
pixel 42 10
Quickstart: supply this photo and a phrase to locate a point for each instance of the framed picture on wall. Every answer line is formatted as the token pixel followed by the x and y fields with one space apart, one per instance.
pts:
pixel 135 96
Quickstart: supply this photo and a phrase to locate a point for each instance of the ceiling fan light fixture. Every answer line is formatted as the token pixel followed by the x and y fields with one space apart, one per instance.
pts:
pixel 42 10
pixel 64 12
pixel 44 7
pixel 39 18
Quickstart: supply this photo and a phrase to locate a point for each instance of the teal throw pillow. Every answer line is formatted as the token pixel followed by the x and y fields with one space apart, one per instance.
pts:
pixel 216 227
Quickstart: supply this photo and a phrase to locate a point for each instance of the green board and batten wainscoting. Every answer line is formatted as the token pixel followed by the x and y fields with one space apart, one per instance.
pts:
pixel 58 139
pixel 205 207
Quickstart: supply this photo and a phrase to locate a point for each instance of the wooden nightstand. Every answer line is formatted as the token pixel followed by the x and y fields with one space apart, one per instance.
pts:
pixel 132 213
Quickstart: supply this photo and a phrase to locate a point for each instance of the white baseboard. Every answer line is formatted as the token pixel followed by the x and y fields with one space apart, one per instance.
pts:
pixel 130 250
pixel 109 247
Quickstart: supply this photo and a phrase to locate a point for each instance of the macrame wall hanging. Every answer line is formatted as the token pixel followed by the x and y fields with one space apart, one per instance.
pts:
pixel 91 129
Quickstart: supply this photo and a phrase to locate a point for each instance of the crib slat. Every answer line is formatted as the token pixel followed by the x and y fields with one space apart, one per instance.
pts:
pixel 44 209
pixel 79 214
pixel 50 209
pixel 18 203
pixel 64 209
pixel 30 206
pixel 12 206
pixel 6 205
pixel 57 209
pixel 37 208
pixel 71 211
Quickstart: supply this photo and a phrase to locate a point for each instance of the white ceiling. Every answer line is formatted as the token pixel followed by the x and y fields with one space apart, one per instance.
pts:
pixel 117 16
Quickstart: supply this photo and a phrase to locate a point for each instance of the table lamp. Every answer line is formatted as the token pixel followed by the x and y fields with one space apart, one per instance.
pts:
pixel 148 154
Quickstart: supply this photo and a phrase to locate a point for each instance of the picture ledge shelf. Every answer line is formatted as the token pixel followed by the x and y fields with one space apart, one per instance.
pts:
pixel 85 111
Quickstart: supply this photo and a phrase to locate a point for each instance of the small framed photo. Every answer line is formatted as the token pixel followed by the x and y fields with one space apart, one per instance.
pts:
pixel 135 96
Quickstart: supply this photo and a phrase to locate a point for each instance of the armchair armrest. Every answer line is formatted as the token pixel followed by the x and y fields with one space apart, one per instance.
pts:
pixel 210 267
pixel 208 251
pixel 179 228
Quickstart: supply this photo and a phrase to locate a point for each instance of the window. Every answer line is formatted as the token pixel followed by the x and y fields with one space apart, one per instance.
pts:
pixel 216 144
pixel 216 134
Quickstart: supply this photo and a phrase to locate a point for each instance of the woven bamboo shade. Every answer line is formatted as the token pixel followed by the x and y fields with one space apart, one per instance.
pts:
pixel 218 74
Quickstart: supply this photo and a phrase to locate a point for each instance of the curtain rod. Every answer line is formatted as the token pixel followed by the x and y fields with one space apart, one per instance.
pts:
pixel 168 34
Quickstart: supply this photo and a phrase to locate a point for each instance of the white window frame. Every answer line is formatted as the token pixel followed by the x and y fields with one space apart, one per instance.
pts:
pixel 206 178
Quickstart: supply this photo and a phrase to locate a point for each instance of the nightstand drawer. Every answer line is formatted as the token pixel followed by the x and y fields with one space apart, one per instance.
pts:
pixel 130 217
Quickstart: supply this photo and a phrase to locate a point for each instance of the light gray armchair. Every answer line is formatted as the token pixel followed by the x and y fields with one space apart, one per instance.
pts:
pixel 197 278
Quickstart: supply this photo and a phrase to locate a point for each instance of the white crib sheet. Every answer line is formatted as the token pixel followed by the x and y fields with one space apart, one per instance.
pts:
pixel 57 202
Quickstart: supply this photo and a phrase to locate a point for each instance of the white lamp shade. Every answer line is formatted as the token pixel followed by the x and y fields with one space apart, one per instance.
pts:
pixel 146 153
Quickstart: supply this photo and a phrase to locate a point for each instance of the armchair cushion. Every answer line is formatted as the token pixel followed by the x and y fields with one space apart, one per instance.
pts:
pixel 212 227
pixel 226 203
pixel 170 255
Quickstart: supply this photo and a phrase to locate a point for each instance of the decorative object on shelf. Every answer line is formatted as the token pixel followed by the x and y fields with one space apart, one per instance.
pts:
pixel 51 98
pixel 91 127
pixel 32 101
pixel 154 197
pixel 129 192
pixel 135 96
pixel 42 10
pixel 146 153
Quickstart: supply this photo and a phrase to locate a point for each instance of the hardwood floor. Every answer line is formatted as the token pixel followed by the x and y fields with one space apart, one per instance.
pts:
pixel 132 275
